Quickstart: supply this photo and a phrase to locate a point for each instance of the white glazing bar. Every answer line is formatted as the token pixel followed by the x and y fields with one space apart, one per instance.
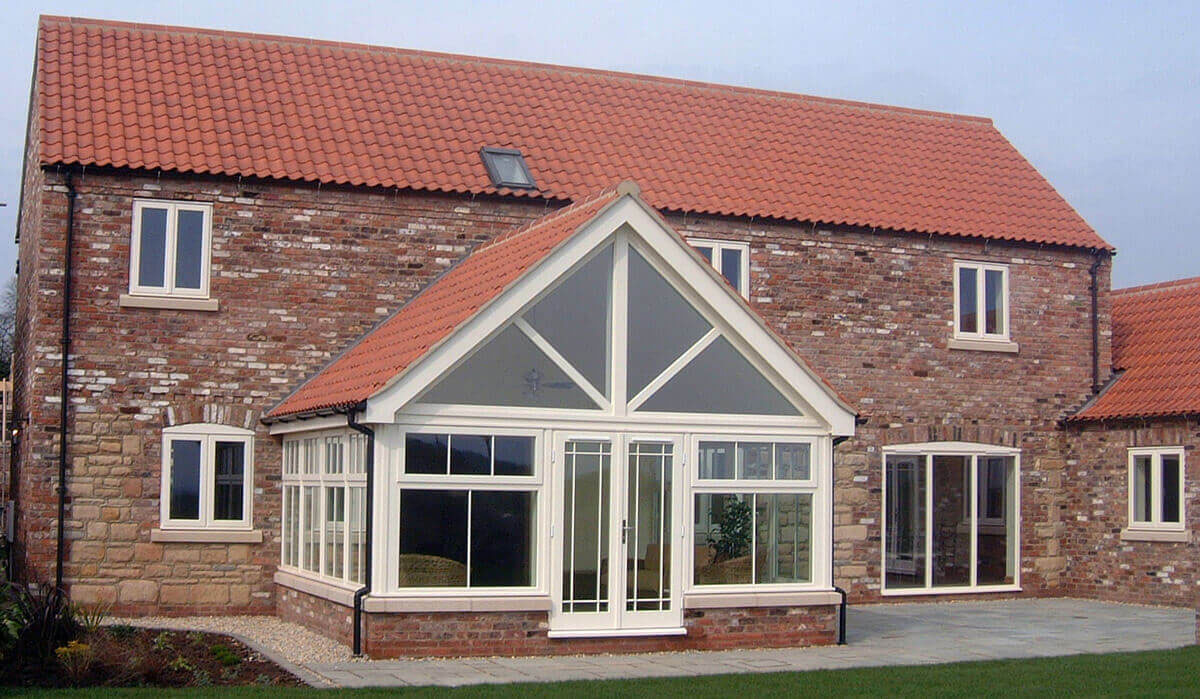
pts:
pixel 599 523
pixel 662 523
pixel 974 490
pixel 928 521
pixel 569 455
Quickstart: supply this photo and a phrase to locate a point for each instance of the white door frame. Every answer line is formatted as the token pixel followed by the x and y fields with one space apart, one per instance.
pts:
pixel 617 620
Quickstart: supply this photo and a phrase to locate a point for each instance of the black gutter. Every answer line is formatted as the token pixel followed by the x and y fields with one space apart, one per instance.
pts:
pixel 352 421
pixel 833 544
pixel 64 403
pixel 1094 288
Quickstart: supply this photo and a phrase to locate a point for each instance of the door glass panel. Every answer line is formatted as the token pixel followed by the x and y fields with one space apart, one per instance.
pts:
pixel 587 468
pixel 782 538
pixel 509 370
pixel 575 318
pixel 1170 489
pixel 648 548
pixel 995 546
pixel 662 325
pixel 951 521
pixel 718 380
pixel 905 514
pixel 152 248
pixel 189 249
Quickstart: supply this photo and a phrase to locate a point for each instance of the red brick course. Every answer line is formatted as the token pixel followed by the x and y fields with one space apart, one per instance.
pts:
pixel 452 634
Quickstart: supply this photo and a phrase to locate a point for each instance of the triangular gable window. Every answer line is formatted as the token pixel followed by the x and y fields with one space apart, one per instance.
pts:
pixel 719 380
pixel 510 370
pixel 558 353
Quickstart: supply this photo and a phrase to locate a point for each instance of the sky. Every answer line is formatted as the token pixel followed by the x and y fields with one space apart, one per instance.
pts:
pixel 1102 97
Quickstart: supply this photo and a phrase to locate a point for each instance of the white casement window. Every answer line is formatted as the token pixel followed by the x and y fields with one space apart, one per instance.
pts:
pixel 732 260
pixel 207 477
pixel 324 506
pixel 170 249
pixel 981 301
pixel 950 518
pixel 467 510
pixel 754 512
pixel 1156 493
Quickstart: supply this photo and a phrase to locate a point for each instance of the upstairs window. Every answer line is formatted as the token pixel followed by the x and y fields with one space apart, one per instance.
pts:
pixel 207 477
pixel 732 260
pixel 170 250
pixel 1156 488
pixel 506 167
pixel 980 301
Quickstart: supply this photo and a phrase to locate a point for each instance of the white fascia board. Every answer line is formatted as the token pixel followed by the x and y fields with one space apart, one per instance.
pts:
pixel 949 448
pixel 308 424
pixel 382 407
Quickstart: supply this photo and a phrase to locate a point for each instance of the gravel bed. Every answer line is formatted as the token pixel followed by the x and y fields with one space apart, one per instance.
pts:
pixel 290 641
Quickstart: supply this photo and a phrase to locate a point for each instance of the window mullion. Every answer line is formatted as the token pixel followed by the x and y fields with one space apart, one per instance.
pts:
pixel 981 300
pixel 1156 513
pixel 928 521
pixel 974 487
pixel 170 249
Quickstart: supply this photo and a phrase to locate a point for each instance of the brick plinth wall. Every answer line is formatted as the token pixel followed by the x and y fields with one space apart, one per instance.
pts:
pixel 454 634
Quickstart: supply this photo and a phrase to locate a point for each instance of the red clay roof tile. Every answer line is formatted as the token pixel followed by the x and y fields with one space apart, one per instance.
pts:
pixel 204 101
pixel 1156 347
pixel 434 314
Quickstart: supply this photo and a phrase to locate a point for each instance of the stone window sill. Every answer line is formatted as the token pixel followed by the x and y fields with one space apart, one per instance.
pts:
pixel 1158 535
pixel 1007 346
pixel 721 600
pixel 206 536
pixel 173 303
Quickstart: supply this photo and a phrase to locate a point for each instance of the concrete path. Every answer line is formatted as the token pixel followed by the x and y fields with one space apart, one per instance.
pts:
pixel 888 634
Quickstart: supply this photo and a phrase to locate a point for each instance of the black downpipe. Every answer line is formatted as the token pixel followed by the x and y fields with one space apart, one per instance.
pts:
pixel 832 544
pixel 64 403
pixel 1095 291
pixel 352 421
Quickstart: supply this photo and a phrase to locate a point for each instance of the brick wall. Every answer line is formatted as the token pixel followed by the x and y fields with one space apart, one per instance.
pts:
pixel 450 634
pixel 301 271
pixel 1096 498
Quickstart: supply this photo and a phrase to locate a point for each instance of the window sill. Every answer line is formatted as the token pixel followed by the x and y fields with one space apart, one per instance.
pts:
pixel 173 303
pixel 532 602
pixel 338 594
pixel 720 600
pixel 979 590
pixel 206 536
pixel 1164 536
pixel 1006 346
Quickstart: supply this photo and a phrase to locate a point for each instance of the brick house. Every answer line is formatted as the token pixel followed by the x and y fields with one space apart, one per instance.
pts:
pixel 449 355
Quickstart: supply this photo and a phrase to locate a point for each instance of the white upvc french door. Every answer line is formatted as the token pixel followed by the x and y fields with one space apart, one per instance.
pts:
pixel 614 541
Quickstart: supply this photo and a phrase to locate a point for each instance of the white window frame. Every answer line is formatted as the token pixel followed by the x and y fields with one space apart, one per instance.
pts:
pixel 817 485
pixel 1155 522
pixel 981 269
pixel 534 483
pixel 313 448
pixel 208 435
pixel 135 245
pixel 717 261
pixel 925 452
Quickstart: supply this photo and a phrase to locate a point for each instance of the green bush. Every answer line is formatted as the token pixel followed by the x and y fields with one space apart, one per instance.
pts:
pixel 34 621
pixel 224 655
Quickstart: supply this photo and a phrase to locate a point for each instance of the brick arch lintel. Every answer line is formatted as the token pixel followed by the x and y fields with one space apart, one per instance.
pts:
pixel 188 412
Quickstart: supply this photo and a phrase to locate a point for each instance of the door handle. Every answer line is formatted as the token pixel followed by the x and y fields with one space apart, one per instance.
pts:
pixel 625 529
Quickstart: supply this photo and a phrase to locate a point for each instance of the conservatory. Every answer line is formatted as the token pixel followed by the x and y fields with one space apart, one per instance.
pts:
pixel 609 437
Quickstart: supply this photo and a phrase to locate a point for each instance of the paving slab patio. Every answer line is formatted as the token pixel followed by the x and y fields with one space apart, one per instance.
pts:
pixel 884 634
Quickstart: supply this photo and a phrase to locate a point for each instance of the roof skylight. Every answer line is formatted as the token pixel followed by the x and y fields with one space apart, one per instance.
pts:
pixel 507 168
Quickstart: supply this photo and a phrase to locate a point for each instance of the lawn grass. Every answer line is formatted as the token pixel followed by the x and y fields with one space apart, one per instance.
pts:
pixel 1151 673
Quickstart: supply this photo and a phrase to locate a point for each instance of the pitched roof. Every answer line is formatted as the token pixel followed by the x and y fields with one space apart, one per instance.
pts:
pixel 199 101
pixel 443 306
pixel 1156 349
